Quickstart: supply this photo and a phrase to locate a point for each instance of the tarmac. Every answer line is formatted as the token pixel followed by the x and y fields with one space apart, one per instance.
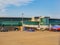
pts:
pixel 29 38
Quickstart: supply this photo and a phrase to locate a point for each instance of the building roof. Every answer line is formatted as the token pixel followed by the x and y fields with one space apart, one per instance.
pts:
pixel 15 17
pixel 54 18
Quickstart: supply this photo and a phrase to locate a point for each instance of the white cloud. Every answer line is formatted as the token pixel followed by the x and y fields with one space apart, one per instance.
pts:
pixel 5 3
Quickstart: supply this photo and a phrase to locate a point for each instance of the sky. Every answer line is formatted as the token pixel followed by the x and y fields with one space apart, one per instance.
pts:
pixel 30 8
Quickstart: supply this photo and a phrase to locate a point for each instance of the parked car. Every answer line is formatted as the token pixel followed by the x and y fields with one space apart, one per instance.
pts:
pixel 55 28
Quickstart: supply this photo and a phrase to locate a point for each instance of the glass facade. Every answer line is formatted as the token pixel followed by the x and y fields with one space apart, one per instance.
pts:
pixel 18 21
pixel 54 21
pixel 12 21
pixel 44 21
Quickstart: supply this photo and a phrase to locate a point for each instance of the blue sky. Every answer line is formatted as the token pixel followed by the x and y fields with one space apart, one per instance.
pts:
pixel 31 8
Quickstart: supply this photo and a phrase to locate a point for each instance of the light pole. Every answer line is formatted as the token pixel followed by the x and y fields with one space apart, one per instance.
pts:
pixel 50 27
pixel 39 22
pixel 22 20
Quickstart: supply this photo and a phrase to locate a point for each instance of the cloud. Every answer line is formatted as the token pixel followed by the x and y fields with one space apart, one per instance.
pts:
pixel 5 3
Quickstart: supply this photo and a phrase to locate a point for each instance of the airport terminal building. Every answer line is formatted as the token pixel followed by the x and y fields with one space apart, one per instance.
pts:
pixel 34 22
